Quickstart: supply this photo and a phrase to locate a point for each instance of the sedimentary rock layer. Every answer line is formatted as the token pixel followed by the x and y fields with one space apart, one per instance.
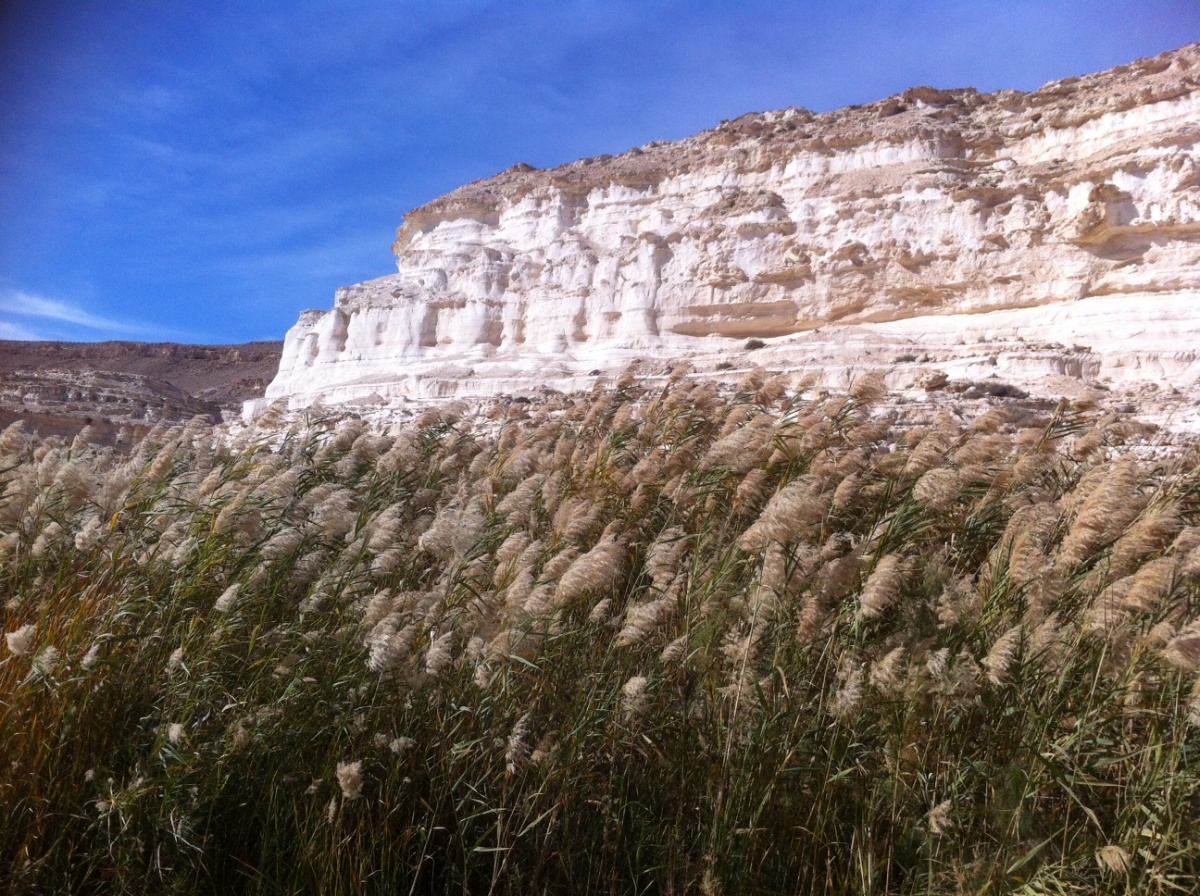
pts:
pixel 1054 231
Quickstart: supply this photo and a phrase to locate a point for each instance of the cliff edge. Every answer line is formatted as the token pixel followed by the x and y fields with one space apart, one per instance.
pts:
pixel 1017 234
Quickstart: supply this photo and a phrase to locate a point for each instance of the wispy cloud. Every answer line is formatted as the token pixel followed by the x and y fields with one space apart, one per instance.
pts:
pixel 10 330
pixel 42 318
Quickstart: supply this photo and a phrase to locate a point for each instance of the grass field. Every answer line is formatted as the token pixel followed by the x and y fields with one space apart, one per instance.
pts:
pixel 667 640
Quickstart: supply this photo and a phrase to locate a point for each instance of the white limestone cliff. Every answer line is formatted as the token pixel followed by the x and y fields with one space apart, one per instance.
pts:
pixel 1020 233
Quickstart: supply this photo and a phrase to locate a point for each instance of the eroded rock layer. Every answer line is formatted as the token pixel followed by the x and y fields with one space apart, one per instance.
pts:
pixel 1026 233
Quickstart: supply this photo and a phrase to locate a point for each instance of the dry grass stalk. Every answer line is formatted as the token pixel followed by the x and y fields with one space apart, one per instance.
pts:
pixel 1000 658
pixel 795 510
pixel 882 587
pixel 597 570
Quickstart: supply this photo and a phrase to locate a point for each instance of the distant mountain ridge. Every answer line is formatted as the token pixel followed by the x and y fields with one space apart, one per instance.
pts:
pixel 59 387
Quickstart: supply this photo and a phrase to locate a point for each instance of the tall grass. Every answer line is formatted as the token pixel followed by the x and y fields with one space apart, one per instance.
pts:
pixel 637 641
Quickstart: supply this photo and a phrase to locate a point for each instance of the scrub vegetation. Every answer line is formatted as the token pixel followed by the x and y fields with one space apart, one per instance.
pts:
pixel 667 639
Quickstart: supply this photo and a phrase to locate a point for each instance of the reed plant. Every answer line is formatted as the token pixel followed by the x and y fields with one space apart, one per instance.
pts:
pixel 650 639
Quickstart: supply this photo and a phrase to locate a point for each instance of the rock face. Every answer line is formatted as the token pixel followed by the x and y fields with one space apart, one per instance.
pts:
pixel 124 388
pixel 1025 233
pixel 116 406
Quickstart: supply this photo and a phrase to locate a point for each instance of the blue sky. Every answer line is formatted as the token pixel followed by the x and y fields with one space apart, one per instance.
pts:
pixel 201 172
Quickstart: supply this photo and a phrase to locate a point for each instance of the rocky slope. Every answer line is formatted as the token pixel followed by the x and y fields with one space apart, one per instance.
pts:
pixel 937 233
pixel 121 389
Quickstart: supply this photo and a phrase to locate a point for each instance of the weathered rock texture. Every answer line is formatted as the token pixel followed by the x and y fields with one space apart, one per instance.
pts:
pixel 124 388
pixel 1022 234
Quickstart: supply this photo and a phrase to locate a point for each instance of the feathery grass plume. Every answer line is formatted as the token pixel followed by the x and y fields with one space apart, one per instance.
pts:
pixel 847 493
pixel 633 697
pixel 282 544
pixel 1000 658
pixel 540 600
pixel 742 448
pixel 440 654
pixel 1105 616
pixel 1146 588
pixel 517 504
pixel 751 491
pixel 649 469
pixel 49 536
pixel 350 779
pixel 939 488
pixel 796 510
pixel 516 592
pixel 735 420
pixel 662 560
pixel 939 818
pixel 929 453
pixel 385 529
pixel 1026 541
pixel 937 663
pixel 600 612
pixel 600 409
pixel 14 443
pixel 337 514
pixel 597 570
pixel 1089 443
pixel 76 484
pixel 454 531
pixel 21 641
pixel 554 568
pixel 388 645
pixel 1029 467
pixel 1160 635
pixel 228 598
pixel 882 587
pixel 1109 506
pixel 846 701
pixel 522 463
pixel 1190 566
pixel 518 748
pixel 91 658
pixel 1047 644
pixel 46 660
pixel 871 431
pixel 674 652
pixel 837 576
pixel 885 674
pixel 771 391
pixel 626 419
pixel 1186 541
pixel 1113 859
pixel 981 448
pixel 575 519
pixel 377 607
pixel 959 604
pixel 1183 651
pixel 508 558
pixel 1148 534
pixel 870 388
pixel 643 619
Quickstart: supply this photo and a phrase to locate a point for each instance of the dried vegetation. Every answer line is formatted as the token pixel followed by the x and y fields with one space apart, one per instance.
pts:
pixel 671 641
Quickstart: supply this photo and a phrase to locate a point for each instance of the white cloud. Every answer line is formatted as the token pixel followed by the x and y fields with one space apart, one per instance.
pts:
pixel 17 303
pixel 10 330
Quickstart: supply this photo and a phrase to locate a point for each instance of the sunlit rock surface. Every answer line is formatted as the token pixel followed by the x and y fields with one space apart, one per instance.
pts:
pixel 1019 235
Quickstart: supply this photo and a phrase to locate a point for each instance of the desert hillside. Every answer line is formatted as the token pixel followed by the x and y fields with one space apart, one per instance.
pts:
pixel 56 388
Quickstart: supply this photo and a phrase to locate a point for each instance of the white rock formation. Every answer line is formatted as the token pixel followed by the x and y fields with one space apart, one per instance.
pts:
pixel 1012 233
